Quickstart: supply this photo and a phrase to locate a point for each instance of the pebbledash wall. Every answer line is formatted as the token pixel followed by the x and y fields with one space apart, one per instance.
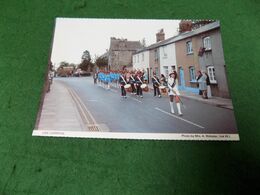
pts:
pixel 141 60
pixel 181 53
pixel 167 59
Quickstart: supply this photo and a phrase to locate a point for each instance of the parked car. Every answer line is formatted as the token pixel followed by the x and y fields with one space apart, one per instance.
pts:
pixel 85 73
pixel 81 73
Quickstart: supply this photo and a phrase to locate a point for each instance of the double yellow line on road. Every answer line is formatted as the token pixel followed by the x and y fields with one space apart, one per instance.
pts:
pixel 86 116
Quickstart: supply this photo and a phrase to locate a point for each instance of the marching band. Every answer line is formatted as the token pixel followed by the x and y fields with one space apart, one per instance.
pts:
pixel 134 83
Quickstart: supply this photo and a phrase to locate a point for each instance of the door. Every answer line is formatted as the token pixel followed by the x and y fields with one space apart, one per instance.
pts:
pixel 182 79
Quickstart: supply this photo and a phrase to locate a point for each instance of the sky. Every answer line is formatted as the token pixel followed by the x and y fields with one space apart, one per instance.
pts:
pixel 72 36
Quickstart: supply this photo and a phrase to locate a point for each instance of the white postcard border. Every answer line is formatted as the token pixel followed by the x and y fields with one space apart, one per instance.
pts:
pixel 138 136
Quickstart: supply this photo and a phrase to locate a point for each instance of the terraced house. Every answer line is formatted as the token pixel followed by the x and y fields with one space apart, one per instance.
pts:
pixel 187 53
pixel 157 58
pixel 201 49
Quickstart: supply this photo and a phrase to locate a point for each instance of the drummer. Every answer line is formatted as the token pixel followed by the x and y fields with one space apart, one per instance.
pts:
pixel 122 82
pixel 156 83
pixel 139 80
pixel 163 80
pixel 132 82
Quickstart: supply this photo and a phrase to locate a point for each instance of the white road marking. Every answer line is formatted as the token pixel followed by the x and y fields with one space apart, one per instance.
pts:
pixel 180 118
pixel 113 90
pixel 136 99
pixel 92 100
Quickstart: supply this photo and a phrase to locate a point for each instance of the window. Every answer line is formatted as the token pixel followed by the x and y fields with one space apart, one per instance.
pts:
pixel 207 43
pixel 156 54
pixel 134 58
pixel 157 71
pixel 164 52
pixel 138 58
pixel 142 56
pixel 192 73
pixel 189 47
pixel 165 71
pixel 211 73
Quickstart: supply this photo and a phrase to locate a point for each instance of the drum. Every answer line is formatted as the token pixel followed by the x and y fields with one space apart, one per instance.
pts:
pixel 127 86
pixel 144 86
pixel 146 89
pixel 162 87
pixel 163 90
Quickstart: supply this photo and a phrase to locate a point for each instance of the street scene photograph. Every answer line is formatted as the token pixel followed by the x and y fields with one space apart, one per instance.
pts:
pixel 137 79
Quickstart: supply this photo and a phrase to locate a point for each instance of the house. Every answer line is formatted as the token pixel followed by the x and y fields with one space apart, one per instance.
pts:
pixel 157 58
pixel 201 49
pixel 167 55
pixel 141 60
pixel 120 53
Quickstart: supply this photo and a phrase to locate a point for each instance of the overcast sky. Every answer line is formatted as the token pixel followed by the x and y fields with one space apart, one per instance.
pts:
pixel 73 36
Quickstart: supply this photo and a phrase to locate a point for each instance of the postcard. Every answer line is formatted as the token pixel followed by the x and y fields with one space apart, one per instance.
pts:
pixel 137 79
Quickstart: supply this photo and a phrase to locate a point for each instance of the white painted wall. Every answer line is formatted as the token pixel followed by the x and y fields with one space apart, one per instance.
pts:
pixel 168 60
pixel 139 62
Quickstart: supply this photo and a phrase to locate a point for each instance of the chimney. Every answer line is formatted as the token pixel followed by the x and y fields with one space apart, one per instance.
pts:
pixel 185 25
pixel 160 36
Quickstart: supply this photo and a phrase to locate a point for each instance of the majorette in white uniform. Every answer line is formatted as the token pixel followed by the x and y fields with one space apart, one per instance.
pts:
pixel 174 93
pixel 174 90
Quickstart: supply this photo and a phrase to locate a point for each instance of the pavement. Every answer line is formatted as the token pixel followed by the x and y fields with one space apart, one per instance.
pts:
pixel 215 101
pixel 59 111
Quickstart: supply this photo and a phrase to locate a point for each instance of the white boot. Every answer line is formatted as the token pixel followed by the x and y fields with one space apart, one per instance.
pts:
pixel 172 110
pixel 179 108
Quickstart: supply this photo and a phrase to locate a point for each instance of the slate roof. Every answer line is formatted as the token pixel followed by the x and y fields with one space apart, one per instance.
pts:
pixel 211 26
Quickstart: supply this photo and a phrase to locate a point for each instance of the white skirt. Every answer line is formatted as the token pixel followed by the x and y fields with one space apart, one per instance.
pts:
pixel 176 92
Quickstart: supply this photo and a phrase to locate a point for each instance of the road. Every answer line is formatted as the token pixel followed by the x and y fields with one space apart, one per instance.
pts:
pixel 148 114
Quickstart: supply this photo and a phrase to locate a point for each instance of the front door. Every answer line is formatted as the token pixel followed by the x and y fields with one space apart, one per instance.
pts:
pixel 182 79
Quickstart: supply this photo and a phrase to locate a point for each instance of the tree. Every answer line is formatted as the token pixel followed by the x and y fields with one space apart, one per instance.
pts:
pixel 86 56
pixel 101 62
pixel 64 64
pixel 86 63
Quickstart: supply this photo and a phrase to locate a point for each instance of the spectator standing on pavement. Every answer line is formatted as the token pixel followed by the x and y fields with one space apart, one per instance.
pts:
pixel 208 86
pixel 199 74
pixel 174 92
pixel 156 83
pixel 203 85
pixel 95 78
pixel 49 82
